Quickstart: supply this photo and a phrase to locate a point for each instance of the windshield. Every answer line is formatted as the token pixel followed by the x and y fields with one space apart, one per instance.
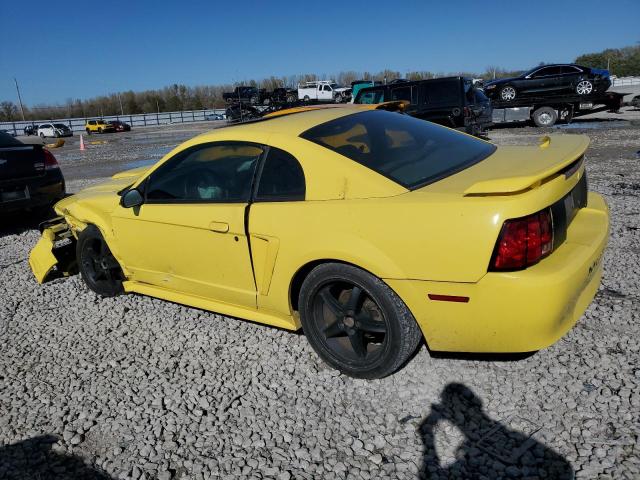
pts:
pixel 407 150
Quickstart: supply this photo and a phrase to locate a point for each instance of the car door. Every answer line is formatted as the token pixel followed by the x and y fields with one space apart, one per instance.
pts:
pixel 189 234
pixel 278 200
pixel 570 77
pixel 535 82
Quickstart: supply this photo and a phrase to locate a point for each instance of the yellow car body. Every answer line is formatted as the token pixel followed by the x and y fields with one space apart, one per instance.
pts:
pixel 249 260
pixel 98 126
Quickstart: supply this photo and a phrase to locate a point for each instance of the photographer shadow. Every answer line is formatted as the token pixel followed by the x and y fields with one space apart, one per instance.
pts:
pixel 489 449
pixel 35 459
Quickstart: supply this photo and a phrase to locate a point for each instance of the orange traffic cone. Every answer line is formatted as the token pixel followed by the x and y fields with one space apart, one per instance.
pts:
pixel 82 147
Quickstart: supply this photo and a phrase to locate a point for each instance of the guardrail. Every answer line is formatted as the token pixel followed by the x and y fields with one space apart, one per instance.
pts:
pixel 139 120
pixel 617 82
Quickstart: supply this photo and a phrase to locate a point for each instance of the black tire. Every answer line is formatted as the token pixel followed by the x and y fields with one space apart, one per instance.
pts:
pixel 42 136
pixel 99 130
pixel 355 322
pixel 88 131
pixel 306 98
pixel 544 117
pixel 98 268
pixel 508 93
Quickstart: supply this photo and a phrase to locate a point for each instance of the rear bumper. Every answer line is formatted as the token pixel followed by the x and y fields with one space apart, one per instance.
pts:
pixel 43 191
pixel 517 311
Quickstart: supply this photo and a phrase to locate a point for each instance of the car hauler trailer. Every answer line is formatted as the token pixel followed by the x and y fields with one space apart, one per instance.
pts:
pixel 546 110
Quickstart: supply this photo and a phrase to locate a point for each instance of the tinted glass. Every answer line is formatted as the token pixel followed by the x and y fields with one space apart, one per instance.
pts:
pixel 7 140
pixel 60 125
pixel 409 151
pixel 212 173
pixel 402 93
pixel 370 97
pixel 570 69
pixel 282 178
pixel 442 93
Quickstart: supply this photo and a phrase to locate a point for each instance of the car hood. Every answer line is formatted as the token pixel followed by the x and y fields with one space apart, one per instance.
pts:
pixel 102 196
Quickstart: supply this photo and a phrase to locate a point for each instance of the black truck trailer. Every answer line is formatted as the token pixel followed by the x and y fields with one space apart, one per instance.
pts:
pixel 546 110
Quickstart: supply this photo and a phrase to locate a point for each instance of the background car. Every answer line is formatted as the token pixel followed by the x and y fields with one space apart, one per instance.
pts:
pixel 367 228
pixel 54 130
pixel 452 101
pixel 120 126
pixel 635 101
pixel 214 116
pixel 7 132
pixel 98 126
pixel 30 177
pixel 550 79
pixel 30 130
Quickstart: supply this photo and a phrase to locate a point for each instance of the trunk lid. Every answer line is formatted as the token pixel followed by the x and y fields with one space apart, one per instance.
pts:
pixel 20 161
pixel 516 169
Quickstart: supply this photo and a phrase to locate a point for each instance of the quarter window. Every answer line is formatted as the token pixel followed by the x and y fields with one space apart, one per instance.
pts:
pixel 282 178
pixel 215 173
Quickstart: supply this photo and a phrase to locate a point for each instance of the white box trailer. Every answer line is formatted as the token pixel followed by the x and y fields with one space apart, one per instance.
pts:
pixel 323 91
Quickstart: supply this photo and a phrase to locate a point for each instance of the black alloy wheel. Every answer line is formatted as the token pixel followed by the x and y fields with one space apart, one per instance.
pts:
pixel 355 322
pixel 98 267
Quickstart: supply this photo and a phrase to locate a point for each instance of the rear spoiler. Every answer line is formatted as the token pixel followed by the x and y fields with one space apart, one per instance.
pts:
pixel 555 154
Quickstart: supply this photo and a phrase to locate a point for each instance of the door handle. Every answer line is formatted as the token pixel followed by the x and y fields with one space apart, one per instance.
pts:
pixel 222 227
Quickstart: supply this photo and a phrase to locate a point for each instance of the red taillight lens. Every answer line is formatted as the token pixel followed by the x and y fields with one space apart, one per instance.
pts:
pixel 523 242
pixel 50 161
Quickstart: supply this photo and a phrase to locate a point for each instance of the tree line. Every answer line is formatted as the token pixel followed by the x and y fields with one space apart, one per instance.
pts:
pixel 621 62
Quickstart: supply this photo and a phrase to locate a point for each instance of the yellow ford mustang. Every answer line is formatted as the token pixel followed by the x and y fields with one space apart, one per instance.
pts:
pixel 367 228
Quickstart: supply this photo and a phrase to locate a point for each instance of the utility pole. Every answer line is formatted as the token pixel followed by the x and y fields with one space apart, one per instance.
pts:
pixel 120 100
pixel 19 98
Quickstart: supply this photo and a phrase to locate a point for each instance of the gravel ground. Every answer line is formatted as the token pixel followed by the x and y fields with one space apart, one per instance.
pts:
pixel 134 387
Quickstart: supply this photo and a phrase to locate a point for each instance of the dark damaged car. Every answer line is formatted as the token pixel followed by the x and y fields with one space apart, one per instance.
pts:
pixel 549 80
pixel 30 177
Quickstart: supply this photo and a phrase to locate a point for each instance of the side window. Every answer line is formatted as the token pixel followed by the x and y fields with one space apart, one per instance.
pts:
pixel 401 93
pixel 213 173
pixel 282 178
pixel 568 69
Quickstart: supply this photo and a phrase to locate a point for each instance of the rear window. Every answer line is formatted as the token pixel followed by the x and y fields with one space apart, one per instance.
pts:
pixel 407 150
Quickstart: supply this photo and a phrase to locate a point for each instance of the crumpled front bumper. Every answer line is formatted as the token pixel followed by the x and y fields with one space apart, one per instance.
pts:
pixel 54 251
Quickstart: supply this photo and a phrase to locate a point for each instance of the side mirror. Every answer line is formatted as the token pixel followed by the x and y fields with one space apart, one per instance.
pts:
pixel 133 198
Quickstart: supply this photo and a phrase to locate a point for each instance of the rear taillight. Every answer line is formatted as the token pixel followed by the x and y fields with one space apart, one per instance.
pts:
pixel 50 162
pixel 523 242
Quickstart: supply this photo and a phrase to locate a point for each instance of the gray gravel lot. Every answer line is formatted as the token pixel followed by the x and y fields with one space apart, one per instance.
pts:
pixel 134 387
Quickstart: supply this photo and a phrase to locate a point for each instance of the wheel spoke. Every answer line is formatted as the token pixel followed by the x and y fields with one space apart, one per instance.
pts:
pixel 357 343
pixel 331 302
pixel 334 330
pixel 352 303
pixel 368 324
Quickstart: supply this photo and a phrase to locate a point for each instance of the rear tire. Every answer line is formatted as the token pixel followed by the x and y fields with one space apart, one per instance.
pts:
pixel 98 267
pixel 355 322
pixel 544 117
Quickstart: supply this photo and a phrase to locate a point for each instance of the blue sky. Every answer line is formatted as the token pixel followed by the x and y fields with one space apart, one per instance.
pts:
pixel 88 48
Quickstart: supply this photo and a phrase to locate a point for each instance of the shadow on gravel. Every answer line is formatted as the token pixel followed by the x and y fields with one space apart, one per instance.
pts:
pixel 34 459
pixel 17 223
pixel 490 449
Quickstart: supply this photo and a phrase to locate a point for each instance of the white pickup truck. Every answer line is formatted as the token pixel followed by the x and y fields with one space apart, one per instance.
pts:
pixel 323 91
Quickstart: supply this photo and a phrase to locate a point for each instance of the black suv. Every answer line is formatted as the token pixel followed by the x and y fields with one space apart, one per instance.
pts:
pixel 244 94
pixel 550 79
pixel 451 101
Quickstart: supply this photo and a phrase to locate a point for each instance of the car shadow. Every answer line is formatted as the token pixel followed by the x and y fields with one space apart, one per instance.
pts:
pixel 489 448
pixel 20 222
pixel 35 459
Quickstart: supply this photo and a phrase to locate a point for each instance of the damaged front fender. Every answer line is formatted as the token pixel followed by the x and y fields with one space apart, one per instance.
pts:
pixel 54 251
